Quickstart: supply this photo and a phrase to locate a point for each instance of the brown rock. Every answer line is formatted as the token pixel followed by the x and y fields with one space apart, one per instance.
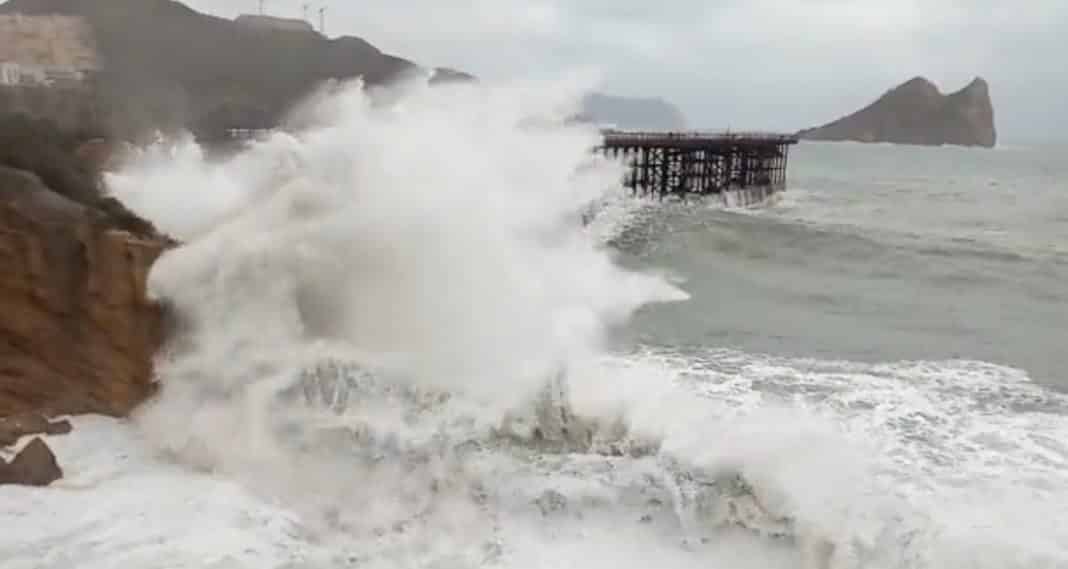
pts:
pixel 35 465
pixel 78 333
pixel 58 428
pixel 916 112
pixel 14 428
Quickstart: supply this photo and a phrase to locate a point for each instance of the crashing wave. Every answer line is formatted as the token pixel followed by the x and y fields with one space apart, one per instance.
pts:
pixel 435 429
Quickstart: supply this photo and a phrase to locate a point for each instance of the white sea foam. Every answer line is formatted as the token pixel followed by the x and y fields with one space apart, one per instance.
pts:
pixel 918 464
pixel 895 461
pixel 412 265
pixel 438 228
pixel 430 237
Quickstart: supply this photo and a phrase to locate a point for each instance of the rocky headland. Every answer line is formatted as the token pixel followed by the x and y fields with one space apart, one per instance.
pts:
pixel 916 112
pixel 163 65
pixel 78 332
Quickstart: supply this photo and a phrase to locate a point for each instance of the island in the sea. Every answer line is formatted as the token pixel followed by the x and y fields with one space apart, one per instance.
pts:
pixel 916 112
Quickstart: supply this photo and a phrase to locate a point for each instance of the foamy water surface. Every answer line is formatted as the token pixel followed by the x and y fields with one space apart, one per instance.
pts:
pixel 358 336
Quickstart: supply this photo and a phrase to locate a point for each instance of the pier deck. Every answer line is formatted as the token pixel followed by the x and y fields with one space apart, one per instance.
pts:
pixel 743 167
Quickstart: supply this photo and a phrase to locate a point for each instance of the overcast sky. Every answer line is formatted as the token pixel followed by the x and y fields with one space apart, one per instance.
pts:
pixel 768 64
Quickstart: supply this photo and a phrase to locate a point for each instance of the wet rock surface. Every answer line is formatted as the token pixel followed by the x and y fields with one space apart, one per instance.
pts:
pixel 78 332
pixel 34 465
pixel 14 428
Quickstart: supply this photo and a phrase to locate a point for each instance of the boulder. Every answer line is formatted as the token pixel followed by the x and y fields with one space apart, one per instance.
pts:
pixel 14 428
pixel 35 465
pixel 916 112
pixel 78 333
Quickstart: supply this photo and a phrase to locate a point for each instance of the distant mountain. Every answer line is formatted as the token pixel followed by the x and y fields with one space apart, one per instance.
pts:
pixel 916 112
pixel 166 65
pixel 632 113
pixel 446 75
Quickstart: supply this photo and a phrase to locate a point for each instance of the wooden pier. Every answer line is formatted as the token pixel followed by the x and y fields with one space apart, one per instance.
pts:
pixel 743 168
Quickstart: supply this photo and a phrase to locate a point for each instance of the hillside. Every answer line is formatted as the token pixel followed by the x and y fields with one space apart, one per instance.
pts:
pixel 916 112
pixel 168 65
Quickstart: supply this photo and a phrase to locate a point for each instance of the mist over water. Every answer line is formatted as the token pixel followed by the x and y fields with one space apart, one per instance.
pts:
pixel 392 324
pixel 409 229
pixel 423 251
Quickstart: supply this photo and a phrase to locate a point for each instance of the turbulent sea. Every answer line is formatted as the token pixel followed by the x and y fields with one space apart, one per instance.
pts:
pixel 866 373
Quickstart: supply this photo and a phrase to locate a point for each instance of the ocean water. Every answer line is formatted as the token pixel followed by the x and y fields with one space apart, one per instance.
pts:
pixel 879 253
pixel 396 346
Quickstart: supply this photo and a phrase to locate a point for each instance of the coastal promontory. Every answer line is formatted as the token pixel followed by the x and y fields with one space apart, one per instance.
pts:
pixel 916 112
pixel 158 64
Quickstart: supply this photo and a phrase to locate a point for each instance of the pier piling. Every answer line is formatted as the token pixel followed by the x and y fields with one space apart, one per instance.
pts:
pixel 743 168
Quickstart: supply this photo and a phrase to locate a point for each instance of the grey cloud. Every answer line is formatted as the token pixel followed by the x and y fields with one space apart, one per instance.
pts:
pixel 780 64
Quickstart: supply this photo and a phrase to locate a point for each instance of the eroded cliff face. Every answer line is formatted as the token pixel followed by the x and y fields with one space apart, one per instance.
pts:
pixel 916 112
pixel 77 332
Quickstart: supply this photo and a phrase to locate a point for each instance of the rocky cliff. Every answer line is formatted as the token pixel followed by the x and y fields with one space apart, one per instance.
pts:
pixel 916 112
pixel 166 65
pixel 78 333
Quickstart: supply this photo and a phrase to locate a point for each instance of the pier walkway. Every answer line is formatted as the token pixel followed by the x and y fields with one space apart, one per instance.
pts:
pixel 743 167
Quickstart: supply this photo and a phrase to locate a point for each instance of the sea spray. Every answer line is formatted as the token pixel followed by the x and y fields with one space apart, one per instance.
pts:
pixel 431 237
pixel 390 318
pixel 453 201
pixel 679 457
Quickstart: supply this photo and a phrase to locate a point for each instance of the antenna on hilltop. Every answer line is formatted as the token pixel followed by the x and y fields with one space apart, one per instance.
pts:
pixel 262 2
pixel 322 20
pixel 306 6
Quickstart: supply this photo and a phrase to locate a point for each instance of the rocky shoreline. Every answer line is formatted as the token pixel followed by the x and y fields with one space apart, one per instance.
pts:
pixel 79 332
pixel 34 464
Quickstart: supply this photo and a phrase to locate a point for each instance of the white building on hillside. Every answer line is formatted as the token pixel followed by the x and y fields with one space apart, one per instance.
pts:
pixel 13 73
pixel 30 74
pixel 46 50
pixel 10 73
pixel 59 75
